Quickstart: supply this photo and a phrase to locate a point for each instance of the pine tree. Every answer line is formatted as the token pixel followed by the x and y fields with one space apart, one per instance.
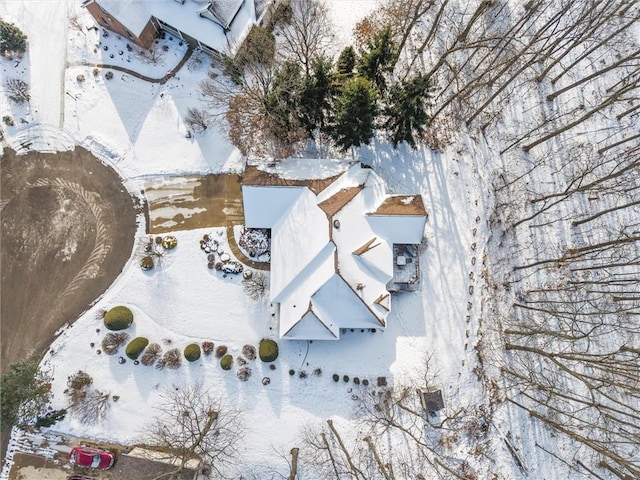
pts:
pixel 316 95
pixel 405 112
pixel 378 59
pixel 24 393
pixel 354 114
pixel 346 62
pixel 12 40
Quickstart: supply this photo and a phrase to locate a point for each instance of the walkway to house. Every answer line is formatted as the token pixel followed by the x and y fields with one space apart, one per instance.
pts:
pixel 169 75
pixel 233 246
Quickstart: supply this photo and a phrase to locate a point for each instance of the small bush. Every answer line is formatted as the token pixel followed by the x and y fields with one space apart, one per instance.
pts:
pixel 80 78
pixel 292 372
pixel 226 362
pixel 268 350
pixel 112 342
pixel 51 418
pixel 365 382
pixel 118 318
pixel 146 263
pixel 77 386
pixel 249 351
pixel 192 352
pixel 336 377
pixel 382 381
pixel 302 374
pixel 356 380
pixel 172 360
pixel 151 354
pixel 244 373
pixel 8 120
pixel 135 347
pixel 96 72
pixel 242 361
pixel 317 372
pixel 345 378
pixel 207 348
pixel 221 351
pixel 108 75
pixel 79 380
pixel 169 242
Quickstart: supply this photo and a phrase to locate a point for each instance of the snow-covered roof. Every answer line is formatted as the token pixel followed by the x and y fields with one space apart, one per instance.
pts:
pixel 219 24
pixel 331 247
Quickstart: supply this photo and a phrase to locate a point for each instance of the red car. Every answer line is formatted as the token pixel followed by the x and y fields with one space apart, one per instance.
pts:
pixel 88 457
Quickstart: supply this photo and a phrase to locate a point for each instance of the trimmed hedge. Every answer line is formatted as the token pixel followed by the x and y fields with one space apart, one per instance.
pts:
pixel 135 347
pixel 192 352
pixel 268 350
pixel 118 318
pixel 226 362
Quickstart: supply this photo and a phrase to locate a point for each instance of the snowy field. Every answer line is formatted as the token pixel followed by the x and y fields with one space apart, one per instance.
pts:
pixel 138 128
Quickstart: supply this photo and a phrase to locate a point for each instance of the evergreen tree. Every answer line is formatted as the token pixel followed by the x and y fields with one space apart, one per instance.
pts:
pixel 12 40
pixel 378 59
pixel 24 393
pixel 406 108
pixel 346 62
pixel 316 95
pixel 354 114
pixel 282 102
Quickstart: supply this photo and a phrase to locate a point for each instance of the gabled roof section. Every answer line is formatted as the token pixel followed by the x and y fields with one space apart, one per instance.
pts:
pixel 310 327
pixel 296 240
pixel 254 176
pixel 337 304
pixel 265 206
pixel 333 204
pixel 223 12
pixel 401 205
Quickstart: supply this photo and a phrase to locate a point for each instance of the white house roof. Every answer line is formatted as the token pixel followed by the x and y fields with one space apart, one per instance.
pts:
pixel 332 250
pixel 187 17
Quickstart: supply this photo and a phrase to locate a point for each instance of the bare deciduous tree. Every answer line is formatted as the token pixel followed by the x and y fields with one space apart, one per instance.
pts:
pixel 198 119
pixel 192 424
pixel 256 285
pixel 17 90
pixel 308 34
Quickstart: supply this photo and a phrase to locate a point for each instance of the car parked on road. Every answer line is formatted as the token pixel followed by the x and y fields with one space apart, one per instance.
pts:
pixel 89 457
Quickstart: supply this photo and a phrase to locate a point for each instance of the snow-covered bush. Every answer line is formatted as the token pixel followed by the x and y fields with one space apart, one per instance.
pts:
pixel 151 354
pixel 244 373
pixel 232 267
pixel 207 348
pixel 249 351
pixel 254 241
pixel 221 351
pixel 112 342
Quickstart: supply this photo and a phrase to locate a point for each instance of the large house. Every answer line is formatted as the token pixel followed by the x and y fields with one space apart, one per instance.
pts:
pixel 339 248
pixel 216 26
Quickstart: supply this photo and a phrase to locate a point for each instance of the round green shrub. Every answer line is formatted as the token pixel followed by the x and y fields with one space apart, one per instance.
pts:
pixel 345 378
pixel 336 377
pixel 356 380
pixel 146 263
pixel 118 318
pixel 135 347
pixel 268 350
pixel 169 242
pixel 192 352
pixel 226 362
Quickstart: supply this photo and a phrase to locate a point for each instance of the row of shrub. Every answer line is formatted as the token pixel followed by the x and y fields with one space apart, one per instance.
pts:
pixel 120 318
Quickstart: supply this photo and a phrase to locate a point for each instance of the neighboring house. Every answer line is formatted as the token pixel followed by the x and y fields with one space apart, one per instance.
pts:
pixel 216 26
pixel 339 247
